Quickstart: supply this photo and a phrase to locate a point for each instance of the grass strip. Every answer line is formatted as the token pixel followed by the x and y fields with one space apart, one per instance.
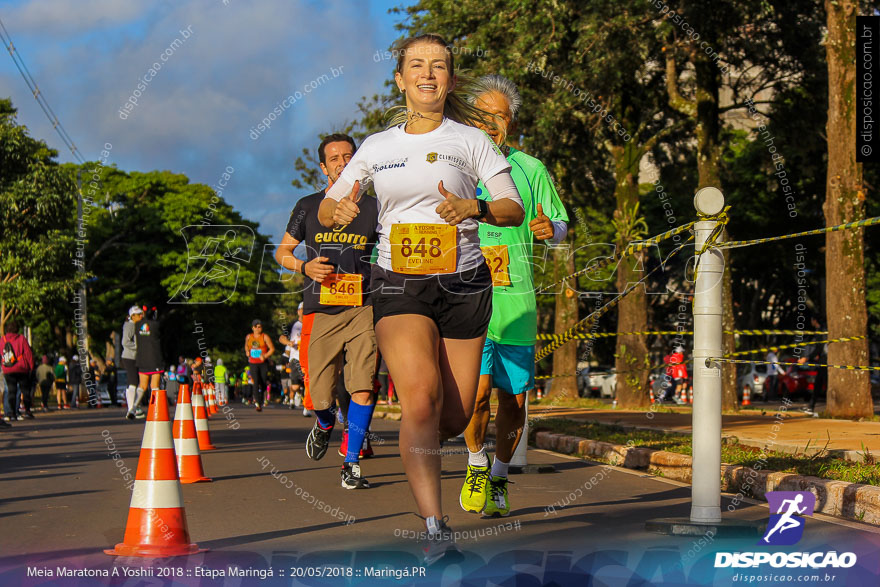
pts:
pixel 820 464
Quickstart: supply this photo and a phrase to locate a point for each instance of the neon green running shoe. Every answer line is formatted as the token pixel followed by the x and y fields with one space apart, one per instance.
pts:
pixel 473 492
pixel 497 504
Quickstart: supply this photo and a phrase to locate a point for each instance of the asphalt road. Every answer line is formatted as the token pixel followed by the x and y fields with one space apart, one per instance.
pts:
pixel 63 500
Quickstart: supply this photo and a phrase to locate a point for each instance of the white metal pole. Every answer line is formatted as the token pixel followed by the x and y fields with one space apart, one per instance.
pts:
pixel 706 440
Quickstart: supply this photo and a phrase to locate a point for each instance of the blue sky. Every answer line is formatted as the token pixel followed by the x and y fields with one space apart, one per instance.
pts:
pixel 194 116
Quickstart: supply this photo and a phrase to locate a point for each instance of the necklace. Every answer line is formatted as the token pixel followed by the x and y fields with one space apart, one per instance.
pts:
pixel 412 116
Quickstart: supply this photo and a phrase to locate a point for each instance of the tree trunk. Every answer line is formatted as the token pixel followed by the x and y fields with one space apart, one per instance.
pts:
pixel 708 168
pixel 631 355
pixel 565 358
pixel 849 392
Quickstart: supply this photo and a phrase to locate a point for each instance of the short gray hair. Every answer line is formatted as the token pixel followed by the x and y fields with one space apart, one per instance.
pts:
pixel 505 87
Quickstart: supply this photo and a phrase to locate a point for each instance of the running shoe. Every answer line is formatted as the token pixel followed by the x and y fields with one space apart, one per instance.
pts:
pixel 344 446
pixel 139 413
pixel 440 541
pixel 19 417
pixel 497 504
pixel 130 415
pixel 351 477
pixel 318 441
pixel 259 408
pixel 473 492
pixel 367 451
pixel 306 412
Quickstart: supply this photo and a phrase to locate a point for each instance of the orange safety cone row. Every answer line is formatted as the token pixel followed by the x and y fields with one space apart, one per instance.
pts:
pixel 198 387
pixel 746 399
pixel 201 416
pixel 156 524
pixel 186 442
pixel 212 399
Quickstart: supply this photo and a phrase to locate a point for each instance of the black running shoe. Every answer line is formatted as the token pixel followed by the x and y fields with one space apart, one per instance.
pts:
pixel 351 477
pixel 318 441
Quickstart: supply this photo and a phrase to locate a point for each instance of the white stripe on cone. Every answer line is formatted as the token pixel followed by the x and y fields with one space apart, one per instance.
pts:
pixel 187 447
pixel 157 494
pixel 182 414
pixel 157 435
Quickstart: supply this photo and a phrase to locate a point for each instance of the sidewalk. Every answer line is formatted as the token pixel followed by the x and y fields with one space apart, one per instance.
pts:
pixel 795 429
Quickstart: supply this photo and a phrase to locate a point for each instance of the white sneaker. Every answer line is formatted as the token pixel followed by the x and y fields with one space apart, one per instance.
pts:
pixel 306 412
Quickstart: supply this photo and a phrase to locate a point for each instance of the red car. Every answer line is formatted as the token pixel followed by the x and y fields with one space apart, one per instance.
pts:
pixel 798 380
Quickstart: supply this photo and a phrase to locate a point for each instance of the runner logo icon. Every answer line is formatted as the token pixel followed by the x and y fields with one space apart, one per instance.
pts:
pixel 786 525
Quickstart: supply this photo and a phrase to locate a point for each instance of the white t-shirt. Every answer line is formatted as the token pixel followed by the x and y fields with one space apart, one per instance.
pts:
pixel 405 170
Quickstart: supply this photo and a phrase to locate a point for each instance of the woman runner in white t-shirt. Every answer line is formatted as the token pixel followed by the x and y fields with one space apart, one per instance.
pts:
pixel 431 288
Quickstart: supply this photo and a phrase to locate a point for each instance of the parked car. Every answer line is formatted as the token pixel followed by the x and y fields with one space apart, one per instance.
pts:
pixel 798 380
pixel 597 382
pixel 752 376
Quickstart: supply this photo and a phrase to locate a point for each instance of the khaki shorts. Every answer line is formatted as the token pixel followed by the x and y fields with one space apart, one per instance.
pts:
pixel 330 341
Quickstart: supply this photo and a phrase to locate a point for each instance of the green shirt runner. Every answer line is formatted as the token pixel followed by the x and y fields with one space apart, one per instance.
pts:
pixel 514 311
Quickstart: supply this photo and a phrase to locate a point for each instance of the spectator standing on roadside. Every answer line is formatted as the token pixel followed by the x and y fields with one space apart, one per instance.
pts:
pixel 111 379
pixel 773 371
pixel 221 379
pixel 95 377
pixel 17 364
pixel 61 373
pixel 74 381
pixel 129 362
pixel 133 394
pixel 45 377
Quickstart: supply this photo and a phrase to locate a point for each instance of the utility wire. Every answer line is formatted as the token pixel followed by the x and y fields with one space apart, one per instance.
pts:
pixel 38 95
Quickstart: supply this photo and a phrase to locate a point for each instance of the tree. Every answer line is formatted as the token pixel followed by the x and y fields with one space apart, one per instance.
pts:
pixel 36 225
pixel 747 49
pixel 849 392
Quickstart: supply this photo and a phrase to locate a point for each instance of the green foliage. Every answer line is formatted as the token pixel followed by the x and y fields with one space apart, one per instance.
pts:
pixel 37 211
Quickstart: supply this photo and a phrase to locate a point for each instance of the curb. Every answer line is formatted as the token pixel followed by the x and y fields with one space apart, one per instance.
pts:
pixel 387 415
pixel 851 501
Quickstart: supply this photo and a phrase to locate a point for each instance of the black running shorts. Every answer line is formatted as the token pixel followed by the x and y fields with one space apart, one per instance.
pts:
pixel 460 304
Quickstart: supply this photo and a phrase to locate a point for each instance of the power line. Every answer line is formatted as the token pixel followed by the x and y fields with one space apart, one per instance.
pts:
pixel 38 95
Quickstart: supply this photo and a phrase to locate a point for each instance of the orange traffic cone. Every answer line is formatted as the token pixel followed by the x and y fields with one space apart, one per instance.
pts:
pixel 212 399
pixel 690 393
pixel 651 392
pixel 186 443
pixel 156 524
pixel 201 416
pixel 746 399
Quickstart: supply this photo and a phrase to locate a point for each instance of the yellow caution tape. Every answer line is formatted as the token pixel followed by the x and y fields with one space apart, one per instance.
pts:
pixel 794 345
pixel 569 334
pixel 757 241
pixel 589 335
pixel 631 249
pixel 742 362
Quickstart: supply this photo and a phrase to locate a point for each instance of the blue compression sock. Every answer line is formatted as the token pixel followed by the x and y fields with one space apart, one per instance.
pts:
pixel 358 422
pixel 326 419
